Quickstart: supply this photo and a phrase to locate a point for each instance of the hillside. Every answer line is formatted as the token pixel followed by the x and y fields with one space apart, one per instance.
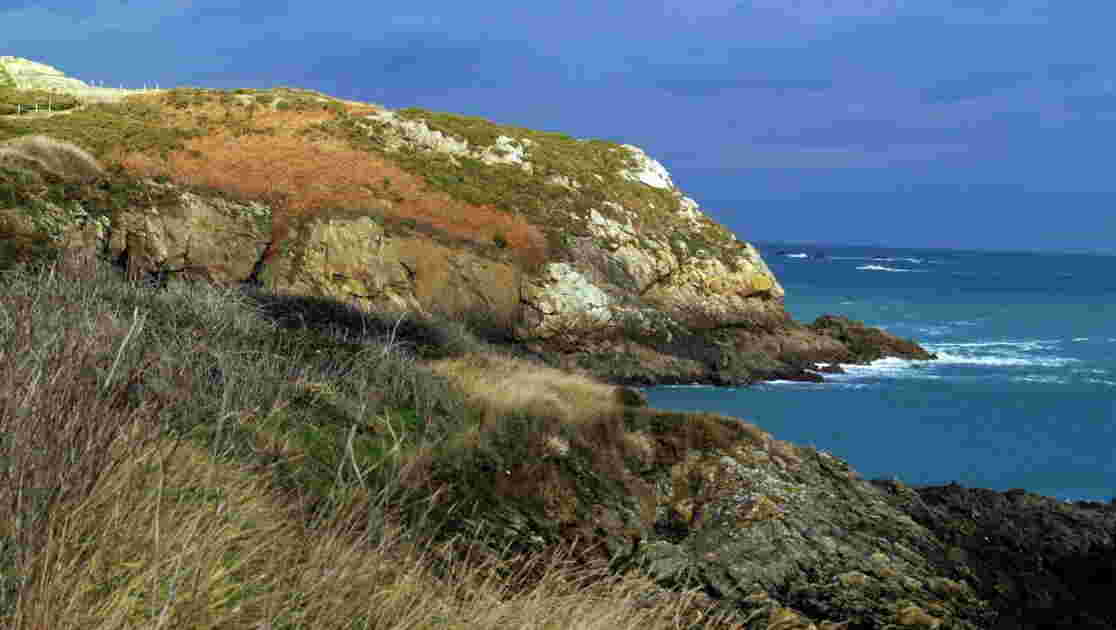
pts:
pixel 581 251
pixel 274 359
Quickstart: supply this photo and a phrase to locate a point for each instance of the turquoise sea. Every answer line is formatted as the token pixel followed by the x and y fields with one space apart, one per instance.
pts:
pixel 1023 394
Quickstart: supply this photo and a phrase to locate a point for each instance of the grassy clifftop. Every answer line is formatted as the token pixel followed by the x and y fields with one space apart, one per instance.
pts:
pixel 311 151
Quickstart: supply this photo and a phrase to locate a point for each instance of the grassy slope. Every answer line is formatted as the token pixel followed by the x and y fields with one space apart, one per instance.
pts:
pixel 250 472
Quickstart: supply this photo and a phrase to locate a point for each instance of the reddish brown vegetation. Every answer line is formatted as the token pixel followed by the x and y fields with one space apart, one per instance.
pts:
pixel 302 176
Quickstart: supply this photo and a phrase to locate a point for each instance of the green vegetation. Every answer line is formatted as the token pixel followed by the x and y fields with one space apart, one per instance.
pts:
pixel 105 129
pixel 13 101
pixel 281 98
pixel 568 178
pixel 6 80
pixel 55 185
pixel 202 457
pixel 592 168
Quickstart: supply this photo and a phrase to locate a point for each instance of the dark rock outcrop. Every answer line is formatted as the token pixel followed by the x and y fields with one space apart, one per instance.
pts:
pixel 865 343
pixel 1042 563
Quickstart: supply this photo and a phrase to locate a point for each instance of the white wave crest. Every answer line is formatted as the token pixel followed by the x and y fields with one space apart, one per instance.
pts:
pixel 798 255
pixel 831 382
pixel 1001 360
pixel 1027 345
pixel 887 367
pixel 1040 378
pixel 883 268
pixel 913 261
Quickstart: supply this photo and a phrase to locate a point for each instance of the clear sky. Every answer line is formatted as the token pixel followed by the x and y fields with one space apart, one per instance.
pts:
pixel 925 123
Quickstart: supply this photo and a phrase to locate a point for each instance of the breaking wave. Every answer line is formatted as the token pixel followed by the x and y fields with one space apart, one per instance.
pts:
pixel 883 268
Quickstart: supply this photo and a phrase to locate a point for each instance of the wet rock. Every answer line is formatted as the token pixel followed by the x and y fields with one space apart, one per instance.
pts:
pixel 866 343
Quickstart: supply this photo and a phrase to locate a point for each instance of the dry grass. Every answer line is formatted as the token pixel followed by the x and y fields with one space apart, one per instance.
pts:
pixel 532 418
pixel 501 385
pixel 61 158
pixel 175 539
pixel 109 521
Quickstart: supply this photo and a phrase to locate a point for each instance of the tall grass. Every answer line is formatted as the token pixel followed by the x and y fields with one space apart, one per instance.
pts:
pixel 188 458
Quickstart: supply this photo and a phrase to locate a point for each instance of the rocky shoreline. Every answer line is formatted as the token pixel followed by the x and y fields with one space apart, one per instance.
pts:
pixel 1040 562
pixel 608 270
pixel 738 356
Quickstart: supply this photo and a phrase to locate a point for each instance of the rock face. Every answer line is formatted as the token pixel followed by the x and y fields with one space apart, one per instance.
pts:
pixel 780 536
pixel 1044 563
pixel 585 252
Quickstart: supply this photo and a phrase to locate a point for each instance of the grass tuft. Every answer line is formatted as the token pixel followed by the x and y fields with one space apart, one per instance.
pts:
pixel 60 158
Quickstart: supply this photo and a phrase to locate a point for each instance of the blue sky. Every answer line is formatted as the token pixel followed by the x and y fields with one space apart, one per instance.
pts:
pixel 924 123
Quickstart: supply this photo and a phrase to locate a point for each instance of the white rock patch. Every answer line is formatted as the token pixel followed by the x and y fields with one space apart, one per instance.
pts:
pixel 572 293
pixel 416 133
pixel 688 208
pixel 508 151
pixel 648 170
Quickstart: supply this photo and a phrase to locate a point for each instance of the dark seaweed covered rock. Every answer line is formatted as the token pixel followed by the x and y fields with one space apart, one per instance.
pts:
pixel 1041 562
pixel 866 343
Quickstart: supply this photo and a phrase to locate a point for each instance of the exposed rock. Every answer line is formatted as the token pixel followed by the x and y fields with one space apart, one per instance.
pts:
pixel 832 368
pixel 1041 562
pixel 768 530
pixel 211 238
pixel 868 344
pixel 628 279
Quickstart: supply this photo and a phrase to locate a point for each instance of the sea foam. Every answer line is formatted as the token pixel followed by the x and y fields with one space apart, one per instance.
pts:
pixel 883 268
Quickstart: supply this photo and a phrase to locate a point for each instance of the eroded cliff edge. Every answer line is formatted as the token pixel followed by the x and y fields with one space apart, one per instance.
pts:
pixel 582 252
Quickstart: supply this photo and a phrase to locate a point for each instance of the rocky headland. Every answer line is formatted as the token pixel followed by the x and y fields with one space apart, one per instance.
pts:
pixel 583 252
pixel 584 256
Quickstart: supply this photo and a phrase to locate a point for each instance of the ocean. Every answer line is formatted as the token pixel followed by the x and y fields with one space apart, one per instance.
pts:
pixel 1023 394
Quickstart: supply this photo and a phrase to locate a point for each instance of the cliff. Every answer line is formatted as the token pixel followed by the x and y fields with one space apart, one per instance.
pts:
pixel 584 252
pixel 334 216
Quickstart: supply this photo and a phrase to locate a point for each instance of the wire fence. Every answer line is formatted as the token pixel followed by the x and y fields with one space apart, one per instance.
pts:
pixel 63 99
